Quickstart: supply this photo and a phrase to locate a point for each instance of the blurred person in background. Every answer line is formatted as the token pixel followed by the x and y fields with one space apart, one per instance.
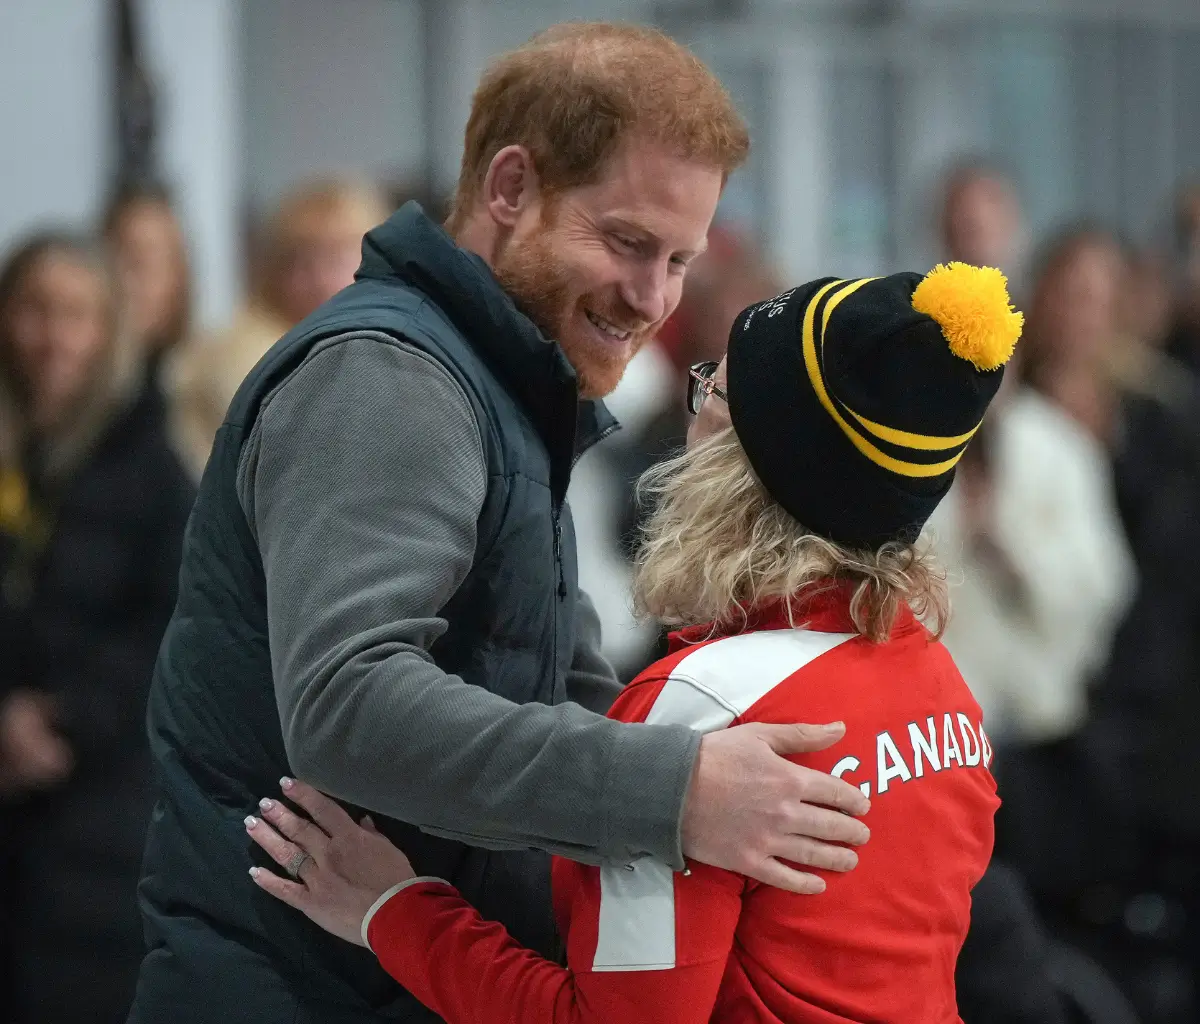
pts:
pixel 1147 303
pixel 981 222
pixel 1003 974
pixel 152 269
pixel 92 510
pixel 1076 329
pixel 1184 341
pixel 1040 574
pixel 1031 535
pixel 311 247
pixel 1141 733
pixel 1143 362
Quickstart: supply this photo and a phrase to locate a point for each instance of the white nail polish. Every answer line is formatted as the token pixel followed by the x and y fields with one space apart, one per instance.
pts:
pixel 251 821
pixel 266 804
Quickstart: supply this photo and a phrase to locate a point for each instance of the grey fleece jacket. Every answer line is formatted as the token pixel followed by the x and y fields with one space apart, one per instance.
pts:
pixel 359 558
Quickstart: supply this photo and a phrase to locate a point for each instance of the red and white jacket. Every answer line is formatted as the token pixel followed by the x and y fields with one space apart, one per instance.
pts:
pixel 647 945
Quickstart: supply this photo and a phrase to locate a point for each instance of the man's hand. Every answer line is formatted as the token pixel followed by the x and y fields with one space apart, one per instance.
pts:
pixel 32 752
pixel 748 809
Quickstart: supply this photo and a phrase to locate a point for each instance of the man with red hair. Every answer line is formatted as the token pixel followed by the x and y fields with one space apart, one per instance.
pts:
pixel 379 592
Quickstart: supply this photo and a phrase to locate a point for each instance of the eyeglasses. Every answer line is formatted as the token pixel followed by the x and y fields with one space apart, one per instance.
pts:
pixel 702 385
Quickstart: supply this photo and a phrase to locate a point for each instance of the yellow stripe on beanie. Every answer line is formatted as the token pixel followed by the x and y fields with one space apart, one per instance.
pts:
pixel 972 307
pixel 905 439
pixel 813 365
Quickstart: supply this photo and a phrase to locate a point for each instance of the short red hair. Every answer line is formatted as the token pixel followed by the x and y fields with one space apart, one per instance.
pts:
pixel 574 92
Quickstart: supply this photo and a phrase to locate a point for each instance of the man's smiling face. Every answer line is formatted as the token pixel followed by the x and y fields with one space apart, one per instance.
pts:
pixel 599 268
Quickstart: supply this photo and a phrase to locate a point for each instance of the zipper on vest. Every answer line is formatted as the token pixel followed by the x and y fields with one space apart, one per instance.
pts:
pixel 558 556
pixel 605 433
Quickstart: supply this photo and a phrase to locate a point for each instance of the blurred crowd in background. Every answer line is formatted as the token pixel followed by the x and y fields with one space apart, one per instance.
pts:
pixel 1071 536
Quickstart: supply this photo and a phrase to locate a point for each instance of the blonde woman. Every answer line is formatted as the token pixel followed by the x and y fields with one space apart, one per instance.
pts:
pixel 783 542
pixel 311 247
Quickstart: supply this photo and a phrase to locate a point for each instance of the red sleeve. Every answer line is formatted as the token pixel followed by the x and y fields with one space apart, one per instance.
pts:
pixel 468 970
pixel 645 945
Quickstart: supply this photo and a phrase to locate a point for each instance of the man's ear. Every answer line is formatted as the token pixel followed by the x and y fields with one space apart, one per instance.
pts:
pixel 511 185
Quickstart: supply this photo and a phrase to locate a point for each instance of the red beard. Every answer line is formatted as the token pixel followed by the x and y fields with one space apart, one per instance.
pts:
pixel 537 282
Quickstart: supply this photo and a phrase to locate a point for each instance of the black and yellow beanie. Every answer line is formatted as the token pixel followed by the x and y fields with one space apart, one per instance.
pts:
pixel 854 400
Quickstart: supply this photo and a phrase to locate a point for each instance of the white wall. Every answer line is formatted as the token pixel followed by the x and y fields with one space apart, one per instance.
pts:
pixel 194 49
pixel 340 86
pixel 330 87
pixel 54 114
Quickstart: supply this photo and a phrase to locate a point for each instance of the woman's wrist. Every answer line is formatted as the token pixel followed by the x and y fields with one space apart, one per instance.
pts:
pixel 388 894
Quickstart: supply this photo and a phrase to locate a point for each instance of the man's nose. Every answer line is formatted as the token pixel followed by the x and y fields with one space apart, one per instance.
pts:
pixel 646 293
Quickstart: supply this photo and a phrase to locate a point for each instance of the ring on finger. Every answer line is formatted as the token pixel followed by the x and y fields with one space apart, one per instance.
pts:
pixel 299 859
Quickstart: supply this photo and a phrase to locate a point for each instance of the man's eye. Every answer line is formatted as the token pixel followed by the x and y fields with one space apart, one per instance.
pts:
pixel 625 241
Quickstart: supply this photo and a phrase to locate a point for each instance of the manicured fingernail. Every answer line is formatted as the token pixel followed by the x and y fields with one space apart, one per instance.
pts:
pixel 266 804
pixel 254 873
pixel 287 783
pixel 835 726
pixel 251 821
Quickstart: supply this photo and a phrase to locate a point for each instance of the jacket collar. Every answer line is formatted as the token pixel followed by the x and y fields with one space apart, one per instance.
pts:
pixel 532 368
pixel 822 607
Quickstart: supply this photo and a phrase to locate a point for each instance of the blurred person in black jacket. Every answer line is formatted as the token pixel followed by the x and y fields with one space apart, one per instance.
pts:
pixel 1138 892
pixel 1002 975
pixel 92 510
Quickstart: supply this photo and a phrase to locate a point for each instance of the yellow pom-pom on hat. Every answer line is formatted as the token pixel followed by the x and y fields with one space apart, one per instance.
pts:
pixel 974 311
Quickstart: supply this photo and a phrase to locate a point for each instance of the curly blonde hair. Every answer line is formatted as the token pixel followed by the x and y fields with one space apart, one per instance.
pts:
pixel 717 544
